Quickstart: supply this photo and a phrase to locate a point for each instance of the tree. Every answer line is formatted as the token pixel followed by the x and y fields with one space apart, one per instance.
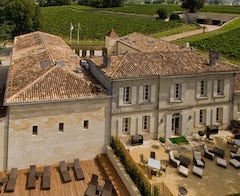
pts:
pixel 193 5
pixel 22 15
pixel 162 13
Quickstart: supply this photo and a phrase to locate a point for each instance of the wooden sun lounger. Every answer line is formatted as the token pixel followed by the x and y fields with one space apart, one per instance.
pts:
pixel 31 180
pixel 107 189
pixel 78 170
pixel 12 180
pixel 92 186
pixel 46 178
pixel 64 172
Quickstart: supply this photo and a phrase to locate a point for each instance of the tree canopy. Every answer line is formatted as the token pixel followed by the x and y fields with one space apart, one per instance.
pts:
pixel 193 5
pixel 18 17
pixel 102 3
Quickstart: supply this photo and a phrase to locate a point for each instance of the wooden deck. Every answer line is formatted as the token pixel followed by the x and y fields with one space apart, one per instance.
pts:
pixel 68 189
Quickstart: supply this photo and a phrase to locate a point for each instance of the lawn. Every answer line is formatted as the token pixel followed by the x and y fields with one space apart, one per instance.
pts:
pixel 151 9
pixel 178 140
pixel 94 25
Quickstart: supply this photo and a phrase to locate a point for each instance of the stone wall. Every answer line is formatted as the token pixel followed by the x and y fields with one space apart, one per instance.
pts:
pixel 50 145
pixel 3 143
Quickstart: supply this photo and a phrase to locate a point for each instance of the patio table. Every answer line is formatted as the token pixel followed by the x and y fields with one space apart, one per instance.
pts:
pixel 154 164
pixel 184 161
pixel 218 151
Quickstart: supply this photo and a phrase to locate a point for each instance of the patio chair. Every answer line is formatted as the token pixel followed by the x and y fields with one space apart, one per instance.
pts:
pixel 142 160
pixel 64 172
pixel 198 171
pixel 107 188
pixel 235 163
pixel 92 186
pixel 197 158
pixel 78 170
pixel 12 180
pixel 46 185
pixel 221 162
pixel 235 154
pixel 152 155
pixel 172 160
pixel 31 180
pixel 183 170
pixel 207 153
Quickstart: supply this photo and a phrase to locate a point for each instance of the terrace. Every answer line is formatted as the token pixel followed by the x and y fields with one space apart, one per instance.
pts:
pixel 214 176
pixel 101 167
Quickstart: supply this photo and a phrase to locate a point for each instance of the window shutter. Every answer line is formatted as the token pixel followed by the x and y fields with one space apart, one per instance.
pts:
pixel 172 92
pixel 225 114
pixel 197 118
pixel 140 127
pixel 134 95
pixel 226 87
pixel 168 126
pixel 184 123
pixel 120 96
pixel 120 128
pixel 140 100
pixel 183 91
pixel 132 126
pixel 152 124
pixel 209 88
pixel 198 89
pixel 214 116
pixel 215 88
pixel 153 93
pixel 208 116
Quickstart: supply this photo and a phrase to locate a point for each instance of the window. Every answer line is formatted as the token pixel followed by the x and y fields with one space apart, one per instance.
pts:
pixel 61 127
pixel 34 130
pixel 201 116
pixel 177 95
pixel 85 124
pixel 126 94
pixel 219 87
pixel 146 123
pixel 126 125
pixel 202 89
pixel 146 93
pixel 218 114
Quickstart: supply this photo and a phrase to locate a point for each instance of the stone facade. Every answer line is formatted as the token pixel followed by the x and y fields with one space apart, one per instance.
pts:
pixel 51 145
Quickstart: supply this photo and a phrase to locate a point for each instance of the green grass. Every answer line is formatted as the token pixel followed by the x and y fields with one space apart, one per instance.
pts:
pixel 226 40
pixel 178 140
pixel 151 9
pixel 94 25
pixel 181 29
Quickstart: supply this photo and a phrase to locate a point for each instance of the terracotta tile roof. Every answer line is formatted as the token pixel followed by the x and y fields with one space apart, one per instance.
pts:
pixel 145 43
pixel 44 68
pixel 237 83
pixel 137 65
pixel 112 34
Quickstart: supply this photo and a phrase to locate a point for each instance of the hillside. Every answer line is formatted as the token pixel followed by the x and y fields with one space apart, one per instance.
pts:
pixel 226 40
pixel 94 25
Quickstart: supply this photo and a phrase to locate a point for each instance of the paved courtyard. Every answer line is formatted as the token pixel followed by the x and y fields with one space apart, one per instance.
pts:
pixel 215 181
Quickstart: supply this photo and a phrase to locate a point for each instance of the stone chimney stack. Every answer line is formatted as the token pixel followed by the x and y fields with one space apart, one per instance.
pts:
pixel 106 60
pixel 213 57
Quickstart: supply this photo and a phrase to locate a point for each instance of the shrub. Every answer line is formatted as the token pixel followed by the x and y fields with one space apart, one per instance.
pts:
pixel 174 16
pixel 162 13
pixel 201 133
pixel 162 139
pixel 130 167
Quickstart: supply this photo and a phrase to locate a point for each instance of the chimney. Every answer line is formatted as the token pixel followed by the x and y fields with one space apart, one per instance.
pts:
pixel 213 57
pixel 106 60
